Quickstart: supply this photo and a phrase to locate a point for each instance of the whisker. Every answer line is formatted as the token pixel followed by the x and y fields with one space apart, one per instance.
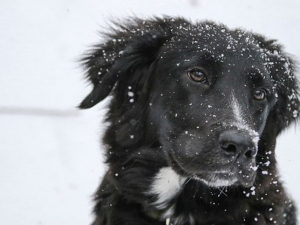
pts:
pixel 222 191
pixel 188 180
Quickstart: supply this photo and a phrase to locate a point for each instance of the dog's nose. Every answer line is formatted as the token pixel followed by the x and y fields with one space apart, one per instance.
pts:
pixel 236 144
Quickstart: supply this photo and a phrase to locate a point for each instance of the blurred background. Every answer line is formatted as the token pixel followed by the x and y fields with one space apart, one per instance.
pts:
pixel 50 152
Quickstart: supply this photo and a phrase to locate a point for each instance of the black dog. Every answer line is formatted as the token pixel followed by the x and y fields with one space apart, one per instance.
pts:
pixel 193 121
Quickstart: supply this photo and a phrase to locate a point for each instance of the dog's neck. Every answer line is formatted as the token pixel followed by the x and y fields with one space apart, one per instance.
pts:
pixel 173 191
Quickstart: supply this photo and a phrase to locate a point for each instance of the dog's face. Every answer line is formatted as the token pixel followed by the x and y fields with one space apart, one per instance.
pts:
pixel 204 92
pixel 213 101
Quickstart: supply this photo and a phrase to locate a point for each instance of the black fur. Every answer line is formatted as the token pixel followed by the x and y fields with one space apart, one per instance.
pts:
pixel 159 117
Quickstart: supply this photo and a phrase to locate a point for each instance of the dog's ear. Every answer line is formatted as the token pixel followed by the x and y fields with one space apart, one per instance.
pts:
pixel 282 70
pixel 130 48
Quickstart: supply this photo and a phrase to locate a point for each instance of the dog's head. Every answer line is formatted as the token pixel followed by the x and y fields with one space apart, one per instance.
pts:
pixel 208 95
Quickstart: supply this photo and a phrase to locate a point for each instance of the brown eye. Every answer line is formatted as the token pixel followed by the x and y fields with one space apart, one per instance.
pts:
pixel 259 94
pixel 197 75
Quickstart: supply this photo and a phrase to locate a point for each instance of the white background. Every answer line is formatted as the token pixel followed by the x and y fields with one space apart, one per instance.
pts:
pixel 50 157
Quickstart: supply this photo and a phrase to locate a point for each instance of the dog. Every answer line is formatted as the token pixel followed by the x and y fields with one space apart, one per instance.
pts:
pixel 194 114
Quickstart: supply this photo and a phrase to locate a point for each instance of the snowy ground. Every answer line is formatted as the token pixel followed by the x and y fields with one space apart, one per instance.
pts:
pixel 50 158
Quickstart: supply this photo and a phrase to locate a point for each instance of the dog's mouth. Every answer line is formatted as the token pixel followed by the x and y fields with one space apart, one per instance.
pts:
pixel 233 175
pixel 224 179
pixel 217 179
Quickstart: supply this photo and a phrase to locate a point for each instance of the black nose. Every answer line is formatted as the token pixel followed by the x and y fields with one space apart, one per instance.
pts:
pixel 236 144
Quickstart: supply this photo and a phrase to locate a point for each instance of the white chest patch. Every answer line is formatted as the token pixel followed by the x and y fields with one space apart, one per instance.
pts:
pixel 166 185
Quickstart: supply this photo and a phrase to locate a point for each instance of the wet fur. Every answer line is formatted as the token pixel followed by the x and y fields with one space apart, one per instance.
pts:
pixel 128 61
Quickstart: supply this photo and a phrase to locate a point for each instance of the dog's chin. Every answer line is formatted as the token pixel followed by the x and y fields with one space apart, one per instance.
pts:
pixel 218 178
pixel 225 179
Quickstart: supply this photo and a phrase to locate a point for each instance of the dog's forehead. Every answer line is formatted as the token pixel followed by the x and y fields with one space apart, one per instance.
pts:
pixel 232 48
pixel 215 39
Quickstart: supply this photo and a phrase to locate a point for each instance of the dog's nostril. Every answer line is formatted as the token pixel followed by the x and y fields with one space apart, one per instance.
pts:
pixel 250 153
pixel 229 149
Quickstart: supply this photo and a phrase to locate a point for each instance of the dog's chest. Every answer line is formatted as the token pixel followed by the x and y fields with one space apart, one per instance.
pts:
pixel 165 187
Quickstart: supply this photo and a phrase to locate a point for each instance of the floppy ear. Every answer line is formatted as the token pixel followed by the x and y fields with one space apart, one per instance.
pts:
pixel 130 49
pixel 282 70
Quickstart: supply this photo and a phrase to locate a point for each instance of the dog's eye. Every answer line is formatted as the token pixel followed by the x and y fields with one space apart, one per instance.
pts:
pixel 259 94
pixel 197 75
